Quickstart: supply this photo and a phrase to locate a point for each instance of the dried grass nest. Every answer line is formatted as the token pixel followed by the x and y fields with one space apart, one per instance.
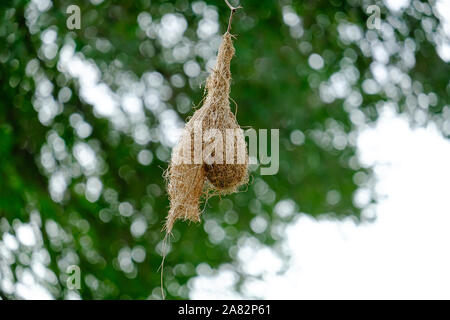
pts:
pixel 191 175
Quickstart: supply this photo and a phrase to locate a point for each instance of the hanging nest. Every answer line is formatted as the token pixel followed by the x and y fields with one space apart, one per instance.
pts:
pixel 211 156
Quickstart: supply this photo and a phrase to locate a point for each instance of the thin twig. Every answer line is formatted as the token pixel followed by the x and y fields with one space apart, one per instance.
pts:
pixel 233 10
pixel 164 248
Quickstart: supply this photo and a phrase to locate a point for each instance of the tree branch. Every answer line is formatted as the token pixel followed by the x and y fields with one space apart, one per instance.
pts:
pixel 233 10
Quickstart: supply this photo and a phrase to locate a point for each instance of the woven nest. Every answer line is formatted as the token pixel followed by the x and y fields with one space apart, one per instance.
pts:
pixel 205 165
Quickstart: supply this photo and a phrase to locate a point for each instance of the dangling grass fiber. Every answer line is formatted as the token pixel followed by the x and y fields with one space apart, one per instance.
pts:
pixel 191 175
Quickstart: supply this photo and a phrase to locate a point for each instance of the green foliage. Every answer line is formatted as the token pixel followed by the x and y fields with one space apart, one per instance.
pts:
pixel 43 105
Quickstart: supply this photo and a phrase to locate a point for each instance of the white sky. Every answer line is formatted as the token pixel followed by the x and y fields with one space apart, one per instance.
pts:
pixel 403 254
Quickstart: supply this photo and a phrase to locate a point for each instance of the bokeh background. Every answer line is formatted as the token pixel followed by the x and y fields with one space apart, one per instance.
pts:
pixel 88 118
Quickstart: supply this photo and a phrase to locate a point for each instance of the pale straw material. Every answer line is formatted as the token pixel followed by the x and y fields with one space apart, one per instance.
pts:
pixel 191 175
